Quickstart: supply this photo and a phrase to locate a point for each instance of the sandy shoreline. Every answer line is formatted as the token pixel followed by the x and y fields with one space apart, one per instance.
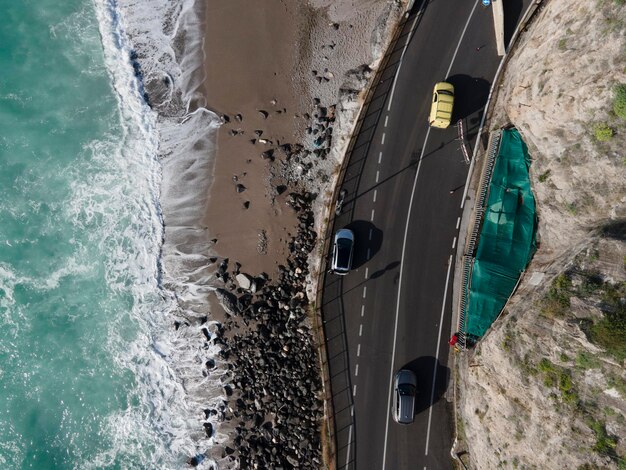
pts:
pixel 263 34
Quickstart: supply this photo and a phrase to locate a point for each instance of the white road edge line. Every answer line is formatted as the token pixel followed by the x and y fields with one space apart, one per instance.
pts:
pixel 406 44
pixel 432 391
pixel 349 446
pixel 406 229
pixel 395 328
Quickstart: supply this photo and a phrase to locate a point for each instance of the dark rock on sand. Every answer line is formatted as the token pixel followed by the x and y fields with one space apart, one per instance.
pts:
pixel 227 300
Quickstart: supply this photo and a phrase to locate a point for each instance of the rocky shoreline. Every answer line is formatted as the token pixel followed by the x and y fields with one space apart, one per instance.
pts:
pixel 267 345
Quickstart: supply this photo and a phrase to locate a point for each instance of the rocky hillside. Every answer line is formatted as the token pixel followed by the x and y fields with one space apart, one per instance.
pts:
pixel 546 388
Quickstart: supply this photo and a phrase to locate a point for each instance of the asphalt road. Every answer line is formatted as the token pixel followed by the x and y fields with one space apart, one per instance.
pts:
pixel 404 186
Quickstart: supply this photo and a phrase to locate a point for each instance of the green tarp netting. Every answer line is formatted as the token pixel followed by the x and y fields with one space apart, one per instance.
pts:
pixel 507 237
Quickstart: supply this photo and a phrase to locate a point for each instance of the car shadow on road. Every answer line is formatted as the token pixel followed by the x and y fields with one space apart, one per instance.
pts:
pixel 424 368
pixel 367 241
pixel 470 94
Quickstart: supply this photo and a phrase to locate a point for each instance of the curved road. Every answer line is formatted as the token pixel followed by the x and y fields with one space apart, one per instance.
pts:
pixel 404 185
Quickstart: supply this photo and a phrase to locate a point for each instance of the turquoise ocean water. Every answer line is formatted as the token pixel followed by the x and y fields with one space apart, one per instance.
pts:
pixel 82 384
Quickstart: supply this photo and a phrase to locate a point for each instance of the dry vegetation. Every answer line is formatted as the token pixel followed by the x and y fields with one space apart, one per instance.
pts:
pixel 546 388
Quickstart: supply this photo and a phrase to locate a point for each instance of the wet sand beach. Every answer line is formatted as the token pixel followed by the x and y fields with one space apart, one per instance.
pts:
pixel 253 81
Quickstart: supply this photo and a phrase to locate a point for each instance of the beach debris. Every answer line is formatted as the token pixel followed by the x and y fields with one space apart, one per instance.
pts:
pixel 261 246
pixel 235 178
pixel 238 117
pixel 227 300
pixel 273 102
pixel 265 141
pixel 281 188
pixel 241 188
pixel 246 282
pixel 264 114
pixel 258 132
pixel 225 118
pixel 246 204
pixel 268 155
pixel 253 141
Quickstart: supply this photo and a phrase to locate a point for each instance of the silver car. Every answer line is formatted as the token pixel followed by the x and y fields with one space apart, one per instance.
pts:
pixel 343 247
pixel 404 391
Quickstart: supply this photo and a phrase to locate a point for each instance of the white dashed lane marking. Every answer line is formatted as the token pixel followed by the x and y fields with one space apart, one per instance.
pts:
pixel 356 371
pixel 368 254
pixel 364 291
pixel 377 175
pixel 382 140
pixel 380 157
pixel 371 233
pixel 362 310
pixel 458 221
pixel 358 350
pixel 361 329
pixel 372 217
pixel 367 270
pixel 386 119
pixel 453 243
pixel 375 193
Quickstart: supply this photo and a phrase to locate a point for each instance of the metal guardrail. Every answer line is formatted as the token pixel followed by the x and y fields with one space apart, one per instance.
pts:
pixel 470 247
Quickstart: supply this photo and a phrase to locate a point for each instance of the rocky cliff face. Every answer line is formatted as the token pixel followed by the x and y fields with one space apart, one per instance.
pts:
pixel 546 388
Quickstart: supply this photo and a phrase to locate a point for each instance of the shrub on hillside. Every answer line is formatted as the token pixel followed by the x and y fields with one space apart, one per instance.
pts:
pixel 602 132
pixel 619 102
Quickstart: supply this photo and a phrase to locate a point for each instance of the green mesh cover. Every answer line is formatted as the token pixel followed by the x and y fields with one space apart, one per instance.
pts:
pixel 507 236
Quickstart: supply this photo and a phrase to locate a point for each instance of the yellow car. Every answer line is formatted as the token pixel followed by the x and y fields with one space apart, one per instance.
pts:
pixel 443 102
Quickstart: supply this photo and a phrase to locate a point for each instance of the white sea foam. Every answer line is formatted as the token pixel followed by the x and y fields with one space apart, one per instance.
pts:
pixel 172 142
